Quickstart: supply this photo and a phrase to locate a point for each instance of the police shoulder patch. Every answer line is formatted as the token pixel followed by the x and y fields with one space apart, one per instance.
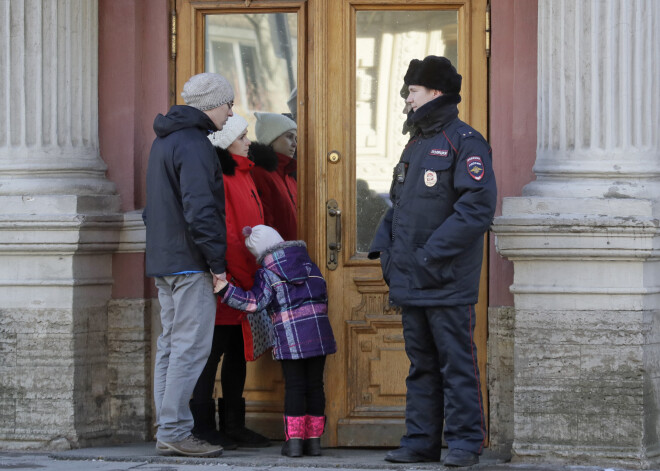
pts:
pixel 475 167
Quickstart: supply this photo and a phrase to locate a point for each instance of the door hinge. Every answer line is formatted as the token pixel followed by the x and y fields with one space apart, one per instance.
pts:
pixel 488 30
pixel 173 33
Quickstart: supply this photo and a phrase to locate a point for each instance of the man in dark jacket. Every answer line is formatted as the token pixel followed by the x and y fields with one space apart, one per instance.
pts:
pixel 431 244
pixel 186 243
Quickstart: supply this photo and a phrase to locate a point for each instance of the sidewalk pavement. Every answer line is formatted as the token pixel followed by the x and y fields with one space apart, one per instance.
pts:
pixel 143 457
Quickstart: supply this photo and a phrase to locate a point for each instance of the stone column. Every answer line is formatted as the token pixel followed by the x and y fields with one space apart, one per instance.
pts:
pixel 584 239
pixel 59 225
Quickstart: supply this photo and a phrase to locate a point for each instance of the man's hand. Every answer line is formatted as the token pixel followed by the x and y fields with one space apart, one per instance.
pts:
pixel 219 281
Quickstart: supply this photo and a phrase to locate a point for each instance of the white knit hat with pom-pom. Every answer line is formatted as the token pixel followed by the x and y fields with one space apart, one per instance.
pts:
pixel 232 129
pixel 259 239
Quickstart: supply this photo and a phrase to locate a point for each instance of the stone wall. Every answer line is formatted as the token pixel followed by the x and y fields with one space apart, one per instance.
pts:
pixel 586 383
pixel 130 369
pixel 501 321
pixel 54 376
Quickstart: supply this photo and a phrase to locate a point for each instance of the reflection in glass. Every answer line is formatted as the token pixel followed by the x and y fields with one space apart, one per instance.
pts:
pixel 386 42
pixel 258 55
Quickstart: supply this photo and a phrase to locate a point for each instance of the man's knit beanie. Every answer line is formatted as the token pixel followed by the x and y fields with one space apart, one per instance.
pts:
pixel 232 129
pixel 259 239
pixel 434 72
pixel 270 126
pixel 207 91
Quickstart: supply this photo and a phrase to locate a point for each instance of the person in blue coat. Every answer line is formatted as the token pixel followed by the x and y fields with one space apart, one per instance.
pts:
pixel 430 245
pixel 186 244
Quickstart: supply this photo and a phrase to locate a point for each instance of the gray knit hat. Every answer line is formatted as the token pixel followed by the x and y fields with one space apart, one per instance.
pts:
pixel 259 239
pixel 233 128
pixel 292 103
pixel 270 126
pixel 207 91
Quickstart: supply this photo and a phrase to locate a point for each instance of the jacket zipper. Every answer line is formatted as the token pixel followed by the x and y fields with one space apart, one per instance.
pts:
pixel 258 204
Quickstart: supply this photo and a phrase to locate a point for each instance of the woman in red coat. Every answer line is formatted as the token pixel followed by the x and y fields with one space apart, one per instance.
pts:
pixel 275 166
pixel 243 207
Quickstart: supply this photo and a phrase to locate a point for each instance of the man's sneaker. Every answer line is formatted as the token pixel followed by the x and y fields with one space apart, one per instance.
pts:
pixel 163 449
pixel 189 446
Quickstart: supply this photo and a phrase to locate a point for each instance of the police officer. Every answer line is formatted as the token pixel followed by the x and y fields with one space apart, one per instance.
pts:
pixel 430 244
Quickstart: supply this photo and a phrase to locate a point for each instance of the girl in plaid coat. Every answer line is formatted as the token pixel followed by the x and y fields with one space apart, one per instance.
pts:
pixel 291 288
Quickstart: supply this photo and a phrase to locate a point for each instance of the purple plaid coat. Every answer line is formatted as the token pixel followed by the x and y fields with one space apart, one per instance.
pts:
pixel 291 288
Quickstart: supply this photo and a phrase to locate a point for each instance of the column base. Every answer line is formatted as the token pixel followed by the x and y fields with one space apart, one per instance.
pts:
pixel 571 455
pixel 55 284
pixel 586 335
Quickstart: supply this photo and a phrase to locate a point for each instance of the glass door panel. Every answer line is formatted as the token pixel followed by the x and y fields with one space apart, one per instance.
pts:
pixel 258 53
pixel 385 42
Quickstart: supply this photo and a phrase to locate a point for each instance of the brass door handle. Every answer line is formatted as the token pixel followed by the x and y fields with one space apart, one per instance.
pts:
pixel 333 233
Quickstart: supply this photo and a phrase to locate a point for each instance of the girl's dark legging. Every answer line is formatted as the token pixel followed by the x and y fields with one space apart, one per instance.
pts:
pixel 303 385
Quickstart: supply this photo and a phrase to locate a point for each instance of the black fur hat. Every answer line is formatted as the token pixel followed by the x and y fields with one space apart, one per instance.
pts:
pixel 434 72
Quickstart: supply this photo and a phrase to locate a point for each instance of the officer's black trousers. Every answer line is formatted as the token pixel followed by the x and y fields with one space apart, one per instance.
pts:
pixel 443 381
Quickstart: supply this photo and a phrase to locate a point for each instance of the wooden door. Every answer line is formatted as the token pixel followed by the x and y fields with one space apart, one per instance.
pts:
pixel 347 59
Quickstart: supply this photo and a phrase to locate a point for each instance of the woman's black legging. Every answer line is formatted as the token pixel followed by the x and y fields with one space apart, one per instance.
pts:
pixel 303 385
pixel 227 341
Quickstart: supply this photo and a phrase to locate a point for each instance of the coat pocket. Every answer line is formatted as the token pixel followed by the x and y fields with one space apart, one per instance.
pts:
pixel 430 274
pixel 436 176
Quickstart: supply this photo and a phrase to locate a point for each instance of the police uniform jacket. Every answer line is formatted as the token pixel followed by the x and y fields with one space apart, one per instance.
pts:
pixel 443 200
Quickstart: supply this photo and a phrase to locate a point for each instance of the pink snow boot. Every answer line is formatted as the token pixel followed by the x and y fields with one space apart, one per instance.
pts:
pixel 294 430
pixel 314 426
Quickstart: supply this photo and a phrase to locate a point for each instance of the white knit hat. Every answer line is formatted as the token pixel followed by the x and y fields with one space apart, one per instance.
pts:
pixel 270 126
pixel 206 91
pixel 259 239
pixel 233 128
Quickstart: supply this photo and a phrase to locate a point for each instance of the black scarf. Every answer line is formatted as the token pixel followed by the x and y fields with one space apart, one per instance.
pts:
pixel 431 117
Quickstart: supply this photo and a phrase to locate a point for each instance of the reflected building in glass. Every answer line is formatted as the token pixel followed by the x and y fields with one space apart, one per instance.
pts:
pixel 386 42
pixel 258 55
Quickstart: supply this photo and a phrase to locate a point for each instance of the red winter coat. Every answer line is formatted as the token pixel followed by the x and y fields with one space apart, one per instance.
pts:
pixel 277 189
pixel 242 208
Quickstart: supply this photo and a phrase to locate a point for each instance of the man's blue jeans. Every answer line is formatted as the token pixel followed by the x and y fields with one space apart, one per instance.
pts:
pixel 187 315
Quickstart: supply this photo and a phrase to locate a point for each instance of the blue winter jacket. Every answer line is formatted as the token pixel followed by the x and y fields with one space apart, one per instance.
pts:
pixel 443 201
pixel 185 210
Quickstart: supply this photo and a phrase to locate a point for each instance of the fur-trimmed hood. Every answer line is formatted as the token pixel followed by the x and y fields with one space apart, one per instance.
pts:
pixel 264 156
pixel 289 260
pixel 227 162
